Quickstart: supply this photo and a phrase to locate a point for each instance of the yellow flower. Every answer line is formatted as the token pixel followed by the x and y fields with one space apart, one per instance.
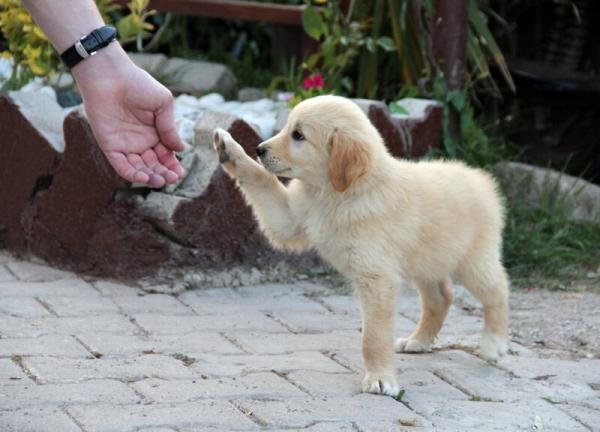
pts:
pixel 31 53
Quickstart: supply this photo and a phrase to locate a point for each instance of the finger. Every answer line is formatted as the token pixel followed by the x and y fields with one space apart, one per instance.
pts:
pixel 168 159
pixel 151 161
pixel 165 126
pixel 126 169
pixel 153 178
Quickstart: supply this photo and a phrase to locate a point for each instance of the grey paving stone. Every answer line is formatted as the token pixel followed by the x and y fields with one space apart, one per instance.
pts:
pixel 275 290
pixel 34 327
pixel 73 287
pixel 323 384
pixel 342 304
pixel 505 417
pixel 5 274
pixel 323 427
pixel 214 365
pixel 493 384
pixel 53 370
pixel 11 374
pixel 589 417
pixel 256 385
pixel 406 423
pixel 302 412
pixel 114 289
pixel 582 370
pixel 153 303
pixel 422 388
pixel 32 272
pixel 156 429
pixel 279 343
pixel 423 361
pixel 80 306
pixel 37 419
pixel 128 345
pixel 323 322
pixel 177 324
pixel 89 392
pixel 48 345
pixel 25 307
pixel 126 418
pixel 223 300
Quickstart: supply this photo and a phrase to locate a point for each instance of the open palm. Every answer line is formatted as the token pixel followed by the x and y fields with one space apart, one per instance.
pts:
pixel 132 119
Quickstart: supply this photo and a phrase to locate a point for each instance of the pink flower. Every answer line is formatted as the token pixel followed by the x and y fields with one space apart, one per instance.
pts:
pixel 313 81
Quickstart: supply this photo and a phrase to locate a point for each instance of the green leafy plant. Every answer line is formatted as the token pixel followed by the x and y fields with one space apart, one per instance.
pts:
pixel 31 51
pixel 341 41
pixel 541 244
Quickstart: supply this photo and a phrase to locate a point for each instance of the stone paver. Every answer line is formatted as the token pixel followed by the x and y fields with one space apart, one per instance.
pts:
pixel 55 370
pixel 130 345
pixel 6 275
pixel 130 418
pixel 48 345
pixel 14 327
pixel 37 419
pixel 98 356
pixel 24 307
pixel 256 385
pixel 10 374
pixel 32 272
pixel 89 392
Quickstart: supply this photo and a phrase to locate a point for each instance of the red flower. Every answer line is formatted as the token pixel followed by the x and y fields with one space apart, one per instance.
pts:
pixel 313 81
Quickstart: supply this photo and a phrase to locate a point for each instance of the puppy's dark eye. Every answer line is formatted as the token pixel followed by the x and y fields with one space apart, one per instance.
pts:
pixel 297 136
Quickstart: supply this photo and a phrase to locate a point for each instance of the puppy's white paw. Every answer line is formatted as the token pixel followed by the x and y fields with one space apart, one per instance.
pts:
pixel 493 347
pixel 410 345
pixel 229 151
pixel 383 383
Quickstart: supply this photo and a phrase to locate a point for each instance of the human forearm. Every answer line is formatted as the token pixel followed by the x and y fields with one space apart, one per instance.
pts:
pixel 65 21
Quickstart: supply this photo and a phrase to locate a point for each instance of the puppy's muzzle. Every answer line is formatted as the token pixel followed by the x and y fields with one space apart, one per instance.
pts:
pixel 261 150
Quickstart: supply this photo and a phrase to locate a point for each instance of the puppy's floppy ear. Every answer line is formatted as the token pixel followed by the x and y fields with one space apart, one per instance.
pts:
pixel 349 159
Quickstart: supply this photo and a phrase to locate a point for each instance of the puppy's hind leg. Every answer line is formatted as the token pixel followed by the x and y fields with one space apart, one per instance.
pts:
pixel 436 298
pixel 488 282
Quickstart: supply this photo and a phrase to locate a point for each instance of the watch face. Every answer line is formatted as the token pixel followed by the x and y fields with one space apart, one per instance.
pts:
pixel 89 43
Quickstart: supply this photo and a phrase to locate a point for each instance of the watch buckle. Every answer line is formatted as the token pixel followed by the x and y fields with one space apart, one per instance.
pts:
pixel 81 49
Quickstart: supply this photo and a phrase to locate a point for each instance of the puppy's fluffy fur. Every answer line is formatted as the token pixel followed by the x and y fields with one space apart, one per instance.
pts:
pixel 378 220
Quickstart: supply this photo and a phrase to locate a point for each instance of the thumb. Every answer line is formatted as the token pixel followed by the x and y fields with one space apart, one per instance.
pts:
pixel 165 126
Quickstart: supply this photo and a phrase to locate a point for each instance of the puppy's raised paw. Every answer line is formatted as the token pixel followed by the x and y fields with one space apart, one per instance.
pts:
pixel 229 151
pixel 383 383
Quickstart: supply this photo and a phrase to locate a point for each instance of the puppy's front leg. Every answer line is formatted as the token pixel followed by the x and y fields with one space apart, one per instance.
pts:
pixel 378 306
pixel 263 191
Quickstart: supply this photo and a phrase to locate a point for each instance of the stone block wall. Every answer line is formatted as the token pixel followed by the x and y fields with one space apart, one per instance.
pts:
pixel 62 202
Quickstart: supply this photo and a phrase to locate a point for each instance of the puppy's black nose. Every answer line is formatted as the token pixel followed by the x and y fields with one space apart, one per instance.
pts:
pixel 261 150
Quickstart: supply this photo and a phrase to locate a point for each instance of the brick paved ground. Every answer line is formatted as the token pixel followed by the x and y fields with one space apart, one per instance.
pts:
pixel 86 355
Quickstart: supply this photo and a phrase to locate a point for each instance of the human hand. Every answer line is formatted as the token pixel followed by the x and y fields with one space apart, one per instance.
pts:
pixel 131 115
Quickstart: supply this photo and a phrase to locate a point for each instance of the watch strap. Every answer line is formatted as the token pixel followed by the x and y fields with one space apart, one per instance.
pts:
pixel 89 45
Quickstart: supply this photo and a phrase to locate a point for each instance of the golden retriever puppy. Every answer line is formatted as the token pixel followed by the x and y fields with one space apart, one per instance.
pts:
pixel 378 220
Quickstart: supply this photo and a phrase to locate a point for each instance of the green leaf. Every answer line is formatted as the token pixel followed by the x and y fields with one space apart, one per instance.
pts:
pixel 313 23
pixel 457 98
pixel 370 45
pixel 386 43
pixel 397 108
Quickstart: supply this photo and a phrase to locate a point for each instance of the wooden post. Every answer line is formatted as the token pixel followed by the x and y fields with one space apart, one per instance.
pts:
pixel 449 46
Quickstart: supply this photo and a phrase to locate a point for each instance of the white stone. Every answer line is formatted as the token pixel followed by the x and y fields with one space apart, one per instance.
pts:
pixel 211 100
pixel 417 108
pixel 44 113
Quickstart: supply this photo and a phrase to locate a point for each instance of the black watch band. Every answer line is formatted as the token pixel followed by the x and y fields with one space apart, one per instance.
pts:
pixel 89 45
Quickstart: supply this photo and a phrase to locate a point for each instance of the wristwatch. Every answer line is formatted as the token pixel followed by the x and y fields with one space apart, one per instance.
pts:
pixel 89 45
